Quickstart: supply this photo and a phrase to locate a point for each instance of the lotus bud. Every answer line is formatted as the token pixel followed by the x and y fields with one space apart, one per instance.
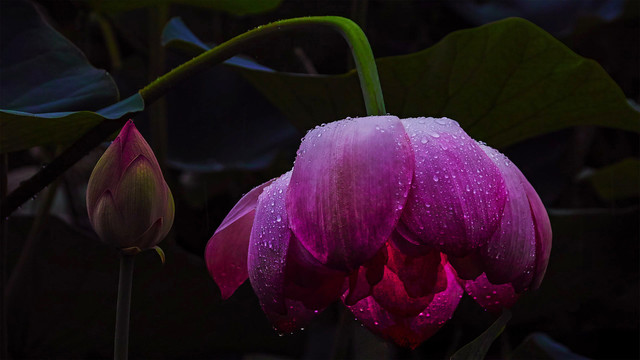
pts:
pixel 129 203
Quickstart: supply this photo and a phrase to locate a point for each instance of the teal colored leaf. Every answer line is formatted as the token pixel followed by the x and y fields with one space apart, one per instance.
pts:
pixel 176 35
pixel 21 130
pixel 618 181
pixel 539 346
pixel 41 71
pixel 234 7
pixel 478 348
pixel 503 82
pixel 45 80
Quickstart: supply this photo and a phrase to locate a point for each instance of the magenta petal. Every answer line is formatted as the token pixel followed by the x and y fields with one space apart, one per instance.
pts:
pixel 390 293
pixel 348 187
pixel 411 331
pixel 467 267
pixel 226 252
pixel 269 245
pixel 361 281
pixel 418 274
pixel 511 251
pixel 134 145
pixel 309 282
pixel 492 297
pixel 457 194
pixel 296 317
pixel 543 233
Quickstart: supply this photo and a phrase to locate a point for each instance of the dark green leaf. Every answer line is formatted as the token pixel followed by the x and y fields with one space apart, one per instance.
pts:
pixel 477 349
pixel 42 71
pixel 21 130
pixel 538 346
pixel 235 7
pixel 504 82
pixel 45 81
pixel 618 181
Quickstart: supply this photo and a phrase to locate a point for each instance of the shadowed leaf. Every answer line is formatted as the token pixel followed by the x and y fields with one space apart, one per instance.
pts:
pixel 504 82
pixel 618 181
pixel 477 349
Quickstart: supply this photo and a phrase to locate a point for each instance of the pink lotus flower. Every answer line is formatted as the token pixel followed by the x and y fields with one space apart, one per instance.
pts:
pixel 398 218
pixel 128 200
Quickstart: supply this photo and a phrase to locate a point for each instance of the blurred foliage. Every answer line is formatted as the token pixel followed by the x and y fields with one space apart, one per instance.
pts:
pixel 235 7
pixel 225 137
pixel 478 348
pixel 617 181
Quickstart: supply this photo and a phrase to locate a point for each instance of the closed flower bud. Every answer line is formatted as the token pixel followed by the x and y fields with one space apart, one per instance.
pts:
pixel 128 200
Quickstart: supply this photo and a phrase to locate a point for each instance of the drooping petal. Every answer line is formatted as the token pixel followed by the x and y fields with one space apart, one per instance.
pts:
pixel 349 185
pixel 512 249
pixel 296 317
pixel 543 233
pixel 457 194
pixel 309 282
pixel 226 252
pixel 411 331
pixel 269 246
pixel 361 281
pixel 492 297
pixel 467 267
pixel 420 275
pixel 390 293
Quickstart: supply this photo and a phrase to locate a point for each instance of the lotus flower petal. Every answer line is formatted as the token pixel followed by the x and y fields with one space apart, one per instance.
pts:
pixel 512 249
pixel 492 297
pixel 348 187
pixel 141 195
pixel 361 281
pixel 309 282
pixel 152 236
pixel 468 267
pixel 543 233
pixel 296 317
pixel 226 252
pixel 130 173
pixel 107 221
pixel 411 331
pixel 457 193
pixel 420 275
pixel 269 246
pixel 392 296
pixel 133 145
pixel 168 216
pixel 105 175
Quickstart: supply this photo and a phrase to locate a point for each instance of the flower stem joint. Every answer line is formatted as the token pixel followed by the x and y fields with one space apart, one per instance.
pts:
pixel 398 218
pixel 129 203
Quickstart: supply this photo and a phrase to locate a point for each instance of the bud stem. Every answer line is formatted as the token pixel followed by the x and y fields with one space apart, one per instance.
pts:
pixel 355 37
pixel 121 346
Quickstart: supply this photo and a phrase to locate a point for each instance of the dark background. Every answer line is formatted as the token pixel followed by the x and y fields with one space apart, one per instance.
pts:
pixel 62 287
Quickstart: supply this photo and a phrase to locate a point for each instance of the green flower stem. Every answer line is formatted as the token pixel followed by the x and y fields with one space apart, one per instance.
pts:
pixel 121 344
pixel 355 37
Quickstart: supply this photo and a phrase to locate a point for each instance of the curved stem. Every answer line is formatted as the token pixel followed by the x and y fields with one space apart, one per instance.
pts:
pixel 360 49
pixel 121 344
